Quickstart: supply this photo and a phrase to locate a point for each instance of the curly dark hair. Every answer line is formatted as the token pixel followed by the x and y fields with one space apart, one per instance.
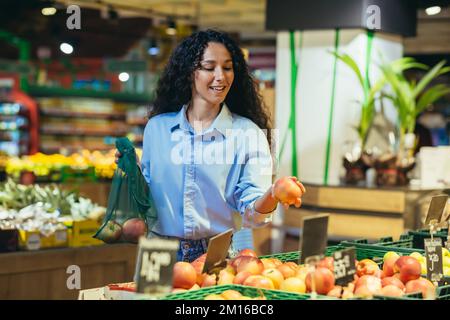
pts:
pixel 175 85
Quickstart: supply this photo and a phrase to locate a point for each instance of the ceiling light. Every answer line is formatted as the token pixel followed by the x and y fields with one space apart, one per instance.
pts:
pixel 153 48
pixel 124 76
pixel 48 11
pixel 66 48
pixel 431 11
pixel 171 29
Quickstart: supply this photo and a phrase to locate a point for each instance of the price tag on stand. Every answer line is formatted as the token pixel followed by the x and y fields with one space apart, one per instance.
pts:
pixel 436 208
pixel 154 266
pixel 344 266
pixel 217 252
pixel 314 237
pixel 433 254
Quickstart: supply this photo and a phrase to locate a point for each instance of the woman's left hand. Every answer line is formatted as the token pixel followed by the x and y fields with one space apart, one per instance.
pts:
pixel 288 191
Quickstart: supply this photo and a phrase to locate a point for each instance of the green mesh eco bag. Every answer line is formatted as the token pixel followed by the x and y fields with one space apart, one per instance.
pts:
pixel 130 213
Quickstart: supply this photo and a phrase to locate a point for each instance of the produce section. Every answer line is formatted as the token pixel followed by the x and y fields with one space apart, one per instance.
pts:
pixel 265 154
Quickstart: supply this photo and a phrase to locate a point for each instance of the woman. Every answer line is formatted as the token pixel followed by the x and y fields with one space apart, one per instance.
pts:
pixel 205 155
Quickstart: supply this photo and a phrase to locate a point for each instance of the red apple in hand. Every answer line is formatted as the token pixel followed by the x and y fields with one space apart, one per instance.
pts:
pixel 288 190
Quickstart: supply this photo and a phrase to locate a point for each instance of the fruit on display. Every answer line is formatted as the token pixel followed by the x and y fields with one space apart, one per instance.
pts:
pixel 231 295
pixel 421 285
pixel 43 165
pixel 275 275
pixel 184 275
pixel 322 279
pixel 271 273
pixel 393 281
pixel 408 267
pixel 367 267
pixel 293 284
pixel 208 280
pixel 133 229
pixel 259 282
pixel 248 263
pixel 241 276
pixel 391 291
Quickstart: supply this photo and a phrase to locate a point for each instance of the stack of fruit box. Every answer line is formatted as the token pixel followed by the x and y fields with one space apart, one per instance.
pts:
pixel 80 232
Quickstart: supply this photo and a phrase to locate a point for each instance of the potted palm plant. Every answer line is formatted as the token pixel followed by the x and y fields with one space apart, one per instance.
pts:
pixel 410 98
pixel 358 160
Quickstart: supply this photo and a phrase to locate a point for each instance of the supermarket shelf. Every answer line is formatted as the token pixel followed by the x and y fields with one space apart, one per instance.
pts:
pixel 43 91
pixel 83 132
pixel 92 115
pixel 137 122
pixel 57 149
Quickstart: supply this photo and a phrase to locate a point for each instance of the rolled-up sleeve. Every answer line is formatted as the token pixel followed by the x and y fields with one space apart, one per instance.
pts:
pixel 254 180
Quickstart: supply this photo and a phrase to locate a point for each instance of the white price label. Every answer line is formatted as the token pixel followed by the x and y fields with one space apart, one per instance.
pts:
pixel 34 241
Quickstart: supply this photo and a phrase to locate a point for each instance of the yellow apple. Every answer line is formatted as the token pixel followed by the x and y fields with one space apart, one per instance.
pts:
pixel 275 275
pixel 293 284
pixel 446 261
pixel 390 254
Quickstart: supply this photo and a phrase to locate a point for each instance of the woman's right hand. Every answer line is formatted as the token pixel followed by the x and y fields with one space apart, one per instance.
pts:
pixel 117 155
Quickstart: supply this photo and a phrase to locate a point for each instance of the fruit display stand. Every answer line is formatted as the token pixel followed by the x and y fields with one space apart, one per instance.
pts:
pixel 43 274
pixel 371 212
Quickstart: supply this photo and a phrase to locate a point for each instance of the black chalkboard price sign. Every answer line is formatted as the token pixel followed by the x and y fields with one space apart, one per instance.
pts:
pixel 344 266
pixel 433 254
pixel 154 266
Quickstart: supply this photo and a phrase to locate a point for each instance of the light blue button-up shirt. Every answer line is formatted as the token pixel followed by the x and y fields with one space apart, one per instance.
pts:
pixel 199 180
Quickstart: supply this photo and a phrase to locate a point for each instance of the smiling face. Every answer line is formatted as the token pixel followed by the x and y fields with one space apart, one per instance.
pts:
pixel 213 79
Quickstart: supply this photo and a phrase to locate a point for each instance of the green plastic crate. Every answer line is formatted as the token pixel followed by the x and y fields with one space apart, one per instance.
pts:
pixel 376 251
pixel 295 255
pixel 419 237
pixel 251 292
pixel 443 293
pixel 403 246
pixel 364 250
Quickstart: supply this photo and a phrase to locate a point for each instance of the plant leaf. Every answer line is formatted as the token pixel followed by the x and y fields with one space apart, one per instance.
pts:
pixel 427 78
pixel 430 96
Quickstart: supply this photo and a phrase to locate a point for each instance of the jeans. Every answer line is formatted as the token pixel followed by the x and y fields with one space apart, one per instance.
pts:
pixel 188 250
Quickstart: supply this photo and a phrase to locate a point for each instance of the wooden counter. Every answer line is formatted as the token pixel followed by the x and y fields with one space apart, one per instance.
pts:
pixel 358 212
pixel 43 274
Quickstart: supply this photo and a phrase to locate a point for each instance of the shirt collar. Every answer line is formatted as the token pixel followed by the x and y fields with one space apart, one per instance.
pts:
pixel 223 121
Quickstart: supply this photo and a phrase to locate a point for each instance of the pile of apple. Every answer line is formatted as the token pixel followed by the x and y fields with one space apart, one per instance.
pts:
pixel 231 295
pixel 400 275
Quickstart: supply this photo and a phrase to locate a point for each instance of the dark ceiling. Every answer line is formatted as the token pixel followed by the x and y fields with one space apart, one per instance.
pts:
pixel 98 37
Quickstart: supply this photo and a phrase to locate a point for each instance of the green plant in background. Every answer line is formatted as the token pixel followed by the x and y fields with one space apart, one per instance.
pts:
pixel 410 97
pixel 370 95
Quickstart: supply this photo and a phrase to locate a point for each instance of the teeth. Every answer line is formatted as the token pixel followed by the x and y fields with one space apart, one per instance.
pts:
pixel 218 88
